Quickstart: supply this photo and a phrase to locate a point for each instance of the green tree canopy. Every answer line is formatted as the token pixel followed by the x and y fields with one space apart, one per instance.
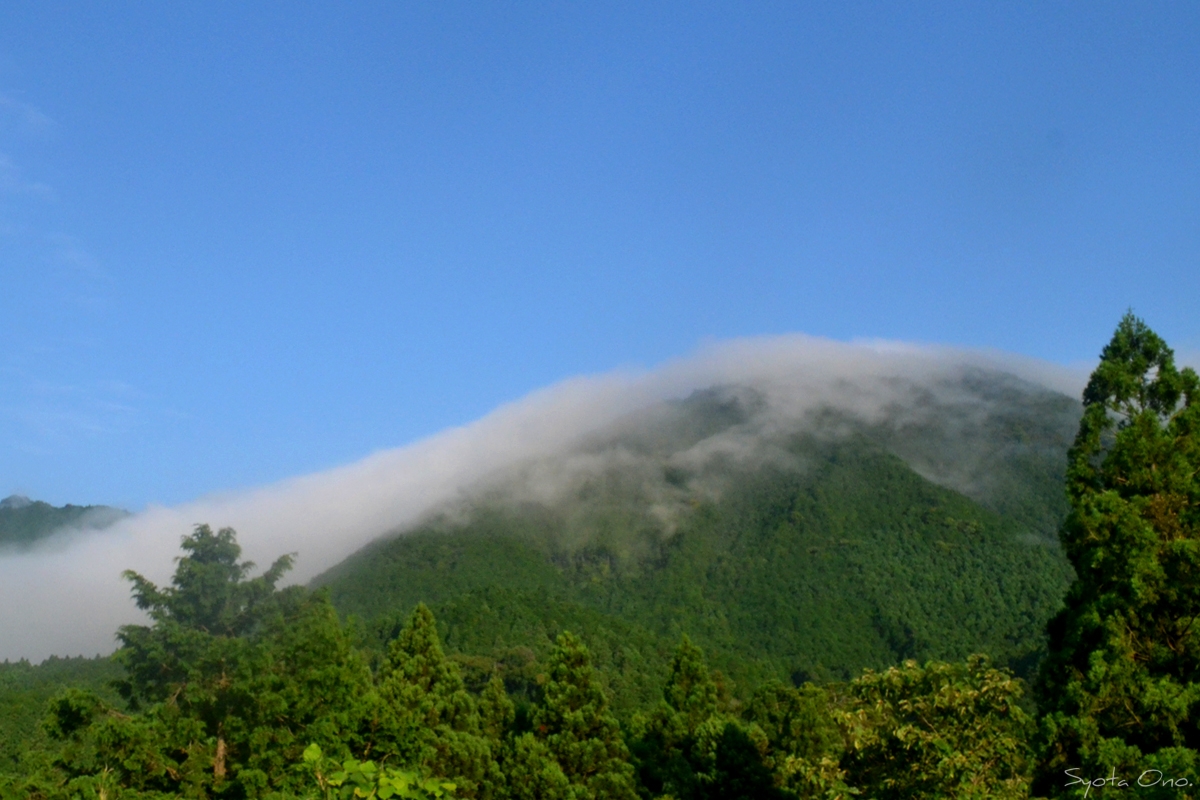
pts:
pixel 1121 682
pixel 689 749
pixel 676 746
pixel 427 717
pixel 938 731
pixel 233 679
pixel 210 599
pixel 804 742
pixel 576 729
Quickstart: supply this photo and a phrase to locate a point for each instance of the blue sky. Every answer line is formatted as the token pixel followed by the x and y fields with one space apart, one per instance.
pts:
pixel 239 244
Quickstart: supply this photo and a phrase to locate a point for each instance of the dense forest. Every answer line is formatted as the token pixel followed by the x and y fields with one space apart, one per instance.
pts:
pixel 857 562
pixel 807 552
pixel 881 613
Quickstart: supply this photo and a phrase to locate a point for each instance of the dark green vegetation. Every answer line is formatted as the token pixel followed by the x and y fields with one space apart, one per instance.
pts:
pixel 1121 687
pixel 25 690
pixel 24 521
pixel 822 554
pixel 239 690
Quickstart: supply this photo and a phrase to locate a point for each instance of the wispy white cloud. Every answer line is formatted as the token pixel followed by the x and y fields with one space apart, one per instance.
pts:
pixel 51 412
pixel 20 120
pixel 14 183
pixel 86 282
pixel 71 599
pixel 24 117
pixel 79 261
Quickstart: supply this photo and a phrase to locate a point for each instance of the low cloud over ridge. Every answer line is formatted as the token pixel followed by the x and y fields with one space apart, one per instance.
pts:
pixel 67 597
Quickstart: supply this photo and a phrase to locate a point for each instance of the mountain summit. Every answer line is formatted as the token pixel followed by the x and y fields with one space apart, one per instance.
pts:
pixel 801 543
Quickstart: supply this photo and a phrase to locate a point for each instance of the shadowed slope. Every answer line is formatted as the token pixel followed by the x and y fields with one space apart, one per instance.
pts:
pixel 24 521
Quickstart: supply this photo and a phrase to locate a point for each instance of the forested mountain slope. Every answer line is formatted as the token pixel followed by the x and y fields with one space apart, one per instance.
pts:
pixel 802 547
pixel 24 521
pixel 572 590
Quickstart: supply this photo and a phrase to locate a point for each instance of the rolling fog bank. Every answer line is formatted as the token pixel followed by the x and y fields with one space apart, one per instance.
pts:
pixel 66 596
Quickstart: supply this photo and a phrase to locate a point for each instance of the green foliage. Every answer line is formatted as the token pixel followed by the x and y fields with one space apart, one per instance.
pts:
pixel 427 717
pixel 689 747
pixel 26 688
pixel 1122 683
pixel 854 561
pixel 246 677
pixel 352 779
pixel 804 743
pixel 938 731
pixel 738 771
pixel 574 728
pixel 290 687
pixel 675 745
pixel 690 691
pixel 532 771
pixel 225 687
pixel 857 562
pixel 201 622
pixel 510 631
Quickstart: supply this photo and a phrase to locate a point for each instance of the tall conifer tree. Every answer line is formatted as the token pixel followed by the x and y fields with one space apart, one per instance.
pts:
pixel 689 750
pixel 427 716
pixel 678 743
pixel 232 680
pixel 579 731
pixel 1121 683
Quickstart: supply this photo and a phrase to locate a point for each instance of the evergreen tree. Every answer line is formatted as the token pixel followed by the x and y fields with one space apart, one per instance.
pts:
pixel 310 687
pixel 496 711
pixel 804 742
pixel 1121 683
pixel 574 725
pixel 738 771
pixel 232 681
pixel 427 717
pixel 533 773
pixel 677 744
pixel 688 749
pixel 690 691
pixel 200 622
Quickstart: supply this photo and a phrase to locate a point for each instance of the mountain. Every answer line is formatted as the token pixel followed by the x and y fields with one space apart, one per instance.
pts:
pixel 794 543
pixel 24 521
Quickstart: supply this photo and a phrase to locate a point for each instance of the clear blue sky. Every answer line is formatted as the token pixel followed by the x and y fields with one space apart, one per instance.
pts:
pixel 238 244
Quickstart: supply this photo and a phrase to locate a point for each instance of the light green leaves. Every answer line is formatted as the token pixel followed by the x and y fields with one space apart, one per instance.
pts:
pixel 364 779
pixel 938 731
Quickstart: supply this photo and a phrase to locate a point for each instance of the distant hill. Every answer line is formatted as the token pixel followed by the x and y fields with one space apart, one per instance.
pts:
pixel 804 547
pixel 24 521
